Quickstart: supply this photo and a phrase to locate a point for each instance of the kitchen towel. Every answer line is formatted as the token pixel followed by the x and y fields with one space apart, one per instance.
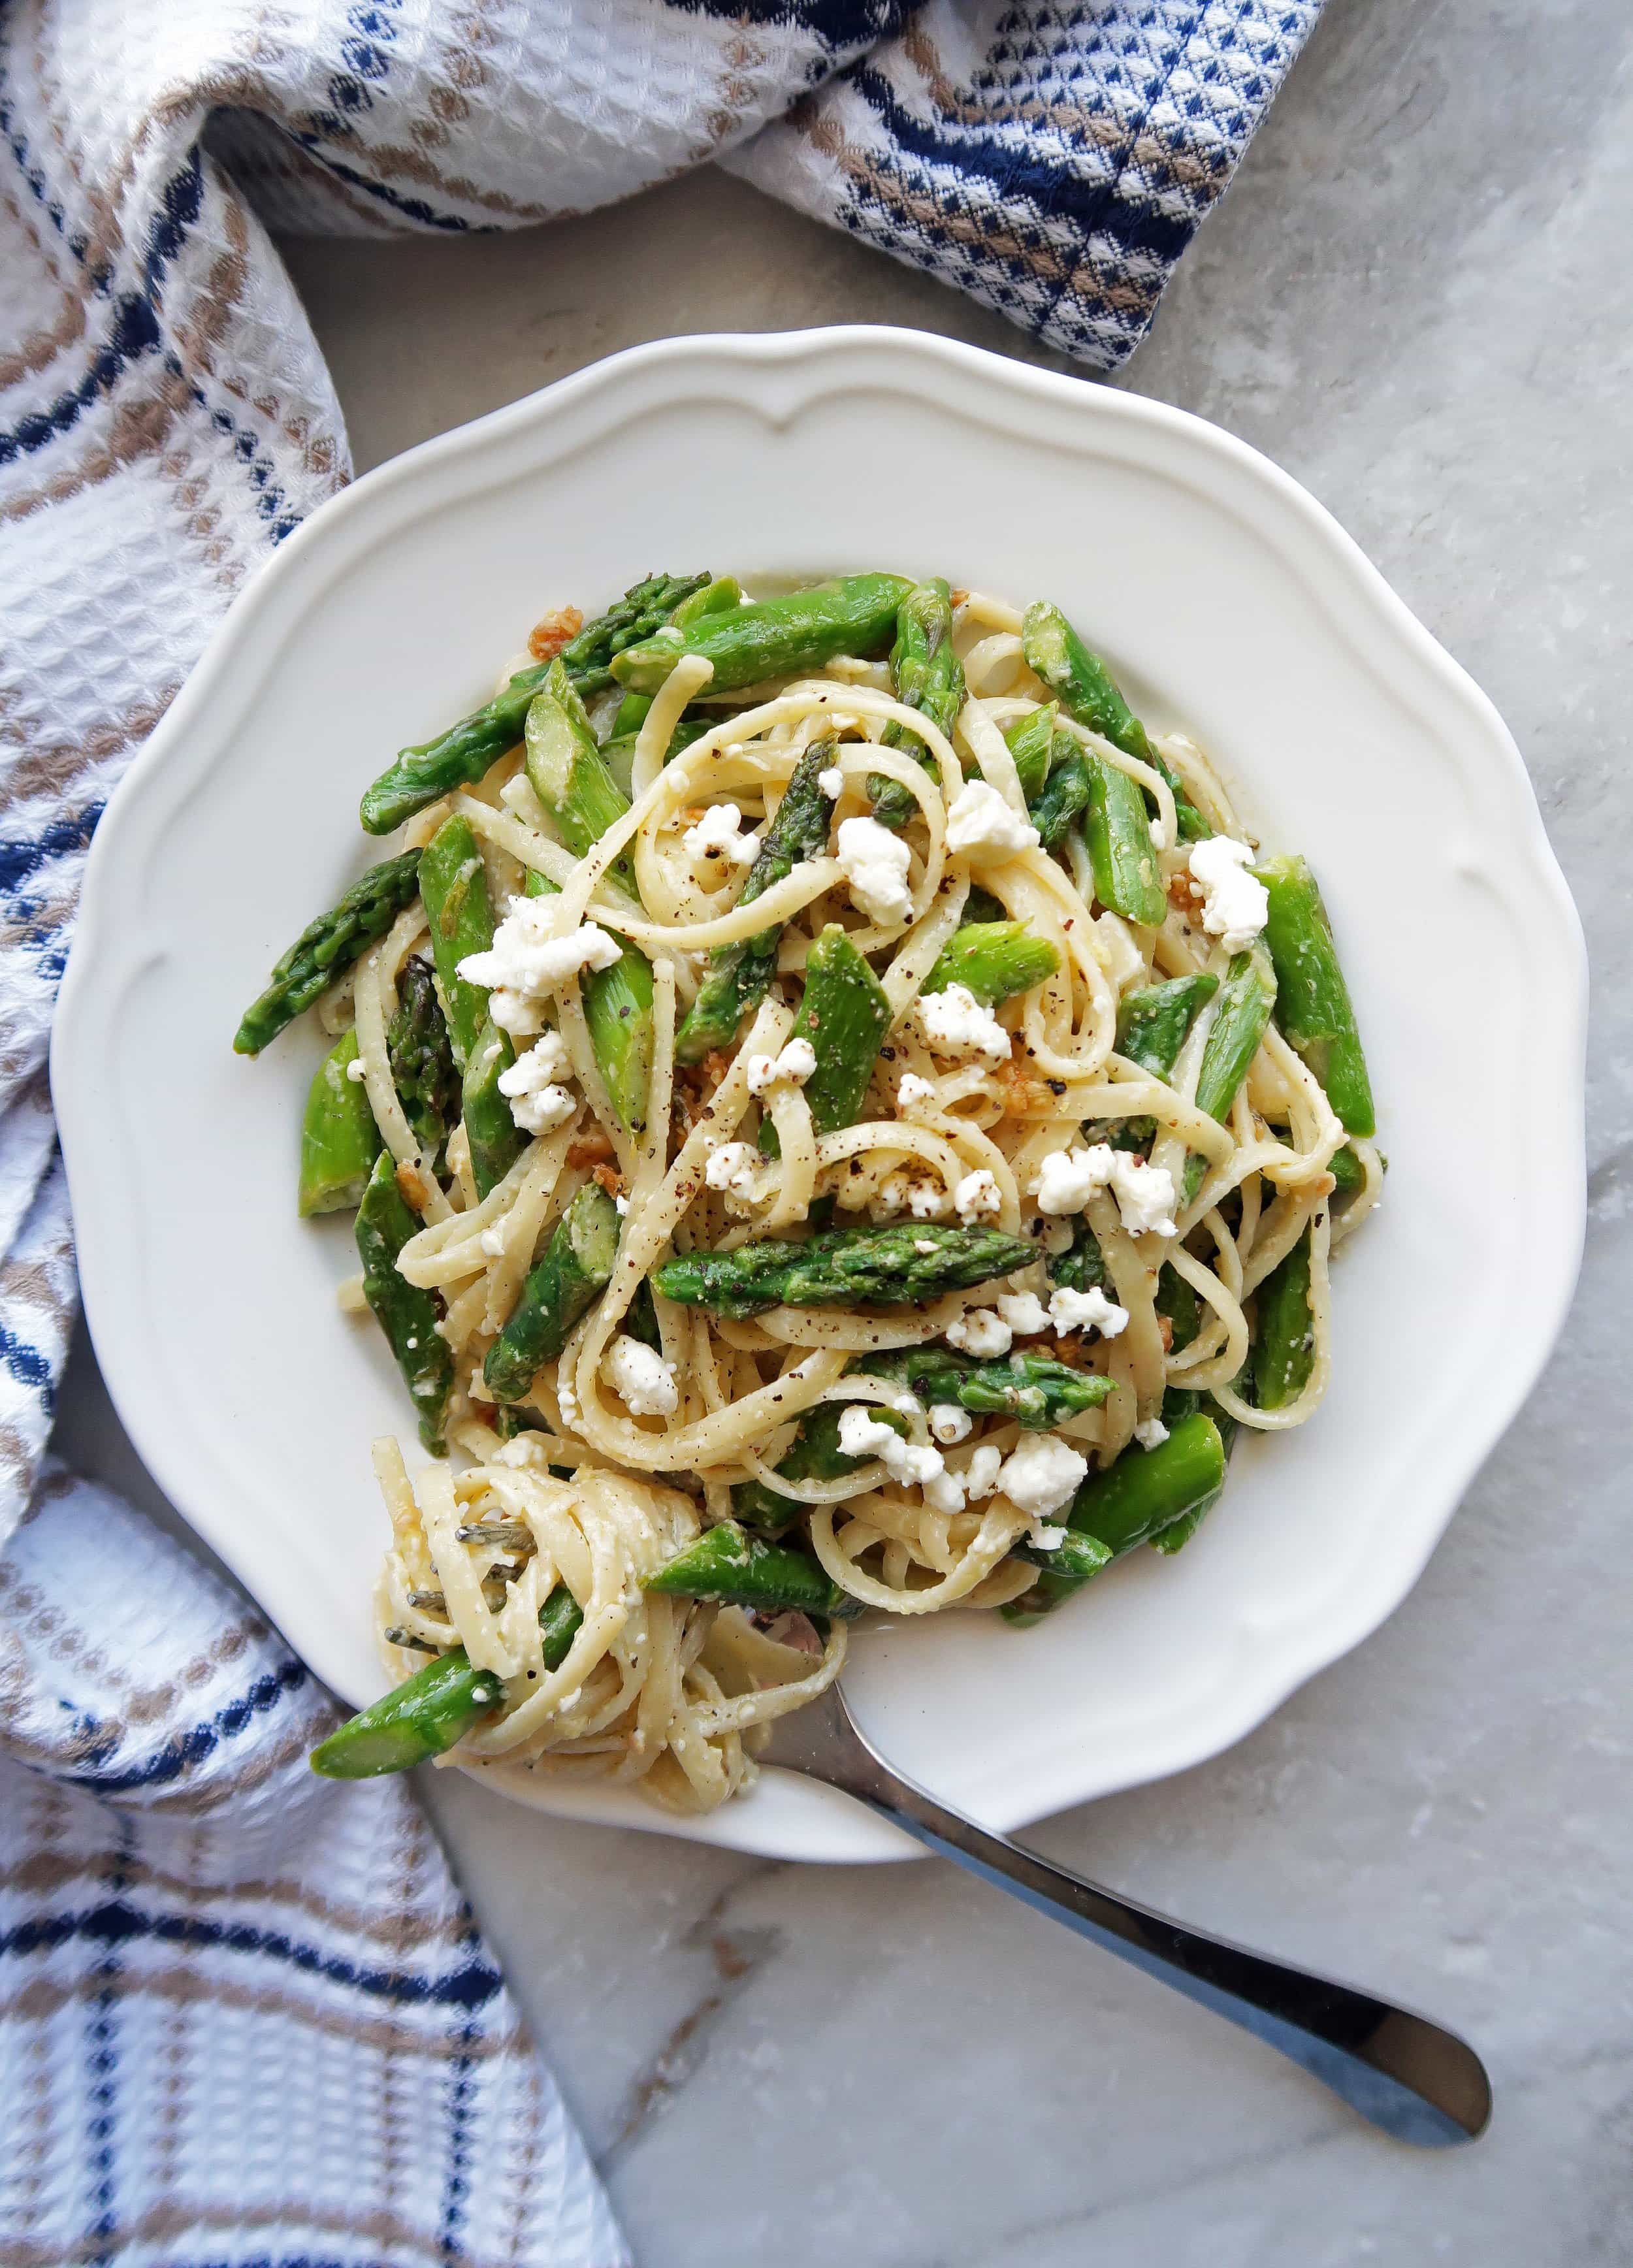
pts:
pixel 166 419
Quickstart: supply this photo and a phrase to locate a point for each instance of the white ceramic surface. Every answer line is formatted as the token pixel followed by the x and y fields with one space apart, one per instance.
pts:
pixel 1226 599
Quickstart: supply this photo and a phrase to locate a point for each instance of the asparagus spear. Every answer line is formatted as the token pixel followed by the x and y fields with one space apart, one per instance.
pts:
pixel 906 1264
pixel 578 1262
pixel 1347 1172
pixel 728 1564
pixel 1031 741
pixel 407 1314
pixel 1152 1028
pixel 436 1707
pixel 845 1015
pixel 1063 797
pixel 1089 693
pixel 339 1140
pixel 927 675
pixel 740 974
pixel 1246 999
pixel 1033 1390
pixel 992 960
pixel 464 753
pixel 495 1140
pixel 1131 1502
pixel 1119 836
pixel 855 614
pixel 716 598
pixel 815 1456
pixel 1283 1344
pixel 569 774
pixel 618 1011
pixel 421 1056
pixel 1082 1267
pixel 326 947
pixel 1316 1012
pixel 453 884
pixel 618 751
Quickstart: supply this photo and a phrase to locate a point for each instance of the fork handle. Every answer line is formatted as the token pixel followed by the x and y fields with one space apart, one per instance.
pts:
pixel 1418 2082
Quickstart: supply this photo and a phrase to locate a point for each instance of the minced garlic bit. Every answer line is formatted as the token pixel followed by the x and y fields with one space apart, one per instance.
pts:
pixel 955 1023
pixel 1236 905
pixel 874 862
pixel 982 825
pixel 642 1377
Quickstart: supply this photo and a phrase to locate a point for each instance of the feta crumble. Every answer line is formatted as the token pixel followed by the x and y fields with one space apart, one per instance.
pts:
pixel 874 862
pixel 913 1092
pixel 791 1068
pixel 1042 1475
pixel 981 1475
pixel 1236 905
pixel 567 1402
pixel 832 783
pixel 1067 1178
pixel 537 1103
pixel 950 1424
pixel 861 1435
pixel 919 1193
pixel 717 835
pixel 642 1377
pixel 981 824
pixel 956 1023
pixel 737 1169
pixel 1024 1312
pixel 977 1196
pixel 1151 1434
pixel 980 1331
pixel 1087 1311
pixel 527 957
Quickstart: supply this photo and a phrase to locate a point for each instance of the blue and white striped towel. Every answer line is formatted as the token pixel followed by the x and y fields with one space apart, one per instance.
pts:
pixel 201 1953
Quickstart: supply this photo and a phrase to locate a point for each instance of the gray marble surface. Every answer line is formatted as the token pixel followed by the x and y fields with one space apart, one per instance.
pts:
pixel 1418 298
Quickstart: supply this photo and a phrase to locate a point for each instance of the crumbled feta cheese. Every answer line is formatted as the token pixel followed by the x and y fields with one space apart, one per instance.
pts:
pixel 912 1093
pixel 527 957
pixel 1087 1311
pixel 737 1169
pixel 1125 963
pixel 907 1405
pixel 537 1104
pixel 956 1023
pixel 909 1462
pixel 641 1375
pixel 919 1193
pixel 515 1014
pixel 832 783
pixel 357 1069
pixel 926 1245
pixel 945 1493
pixel 567 1401
pixel 1156 835
pixel 950 1424
pixel 1151 1434
pixel 980 1331
pixel 976 1195
pixel 981 824
pixel 492 1241
pixel 1024 1312
pixel 874 862
pixel 1236 905
pixel 1042 1475
pixel 1067 1178
pixel 717 835
pixel 622 1202
pixel 1045 1538
pixel 791 1068
pixel 981 1475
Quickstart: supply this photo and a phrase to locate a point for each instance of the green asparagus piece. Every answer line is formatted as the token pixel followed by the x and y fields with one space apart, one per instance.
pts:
pixel 1283 1342
pixel 845 1015
pixel 1179 1532
pixel 421 1056
pixel 453 884
pixel 1033 1388
pixel 1119 836
pixel 906 1264
pixel 1065 797
pixel 719 597
pixel 856 615
pixel 494 1138
pixel 736 1568
pixel 1246 999
pixel 618 753
pixel 1348 1172
pixel 407 1314
pixel 577 1264
pixel 568 772
pixel 928 676
pixel 1082 1267
pixel 618 1011
pixel 326 947
pixel 1314 1004
pixel 436 1707
pixel 815 1456
pixel 1031 740
pixel 1089 694
pixel 1152 1024
pixel 1135 1500
pixel 740 975
pixel 993 959
pixel 339 1140
pixel 465 751
pixel 982 906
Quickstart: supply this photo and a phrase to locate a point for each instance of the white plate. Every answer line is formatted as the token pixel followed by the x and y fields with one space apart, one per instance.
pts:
pixel 1226 599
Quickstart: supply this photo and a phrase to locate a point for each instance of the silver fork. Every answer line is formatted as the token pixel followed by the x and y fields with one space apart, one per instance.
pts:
pixel 1418 2082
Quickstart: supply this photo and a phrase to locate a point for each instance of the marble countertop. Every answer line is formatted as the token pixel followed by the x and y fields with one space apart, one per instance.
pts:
pixel 1417 298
